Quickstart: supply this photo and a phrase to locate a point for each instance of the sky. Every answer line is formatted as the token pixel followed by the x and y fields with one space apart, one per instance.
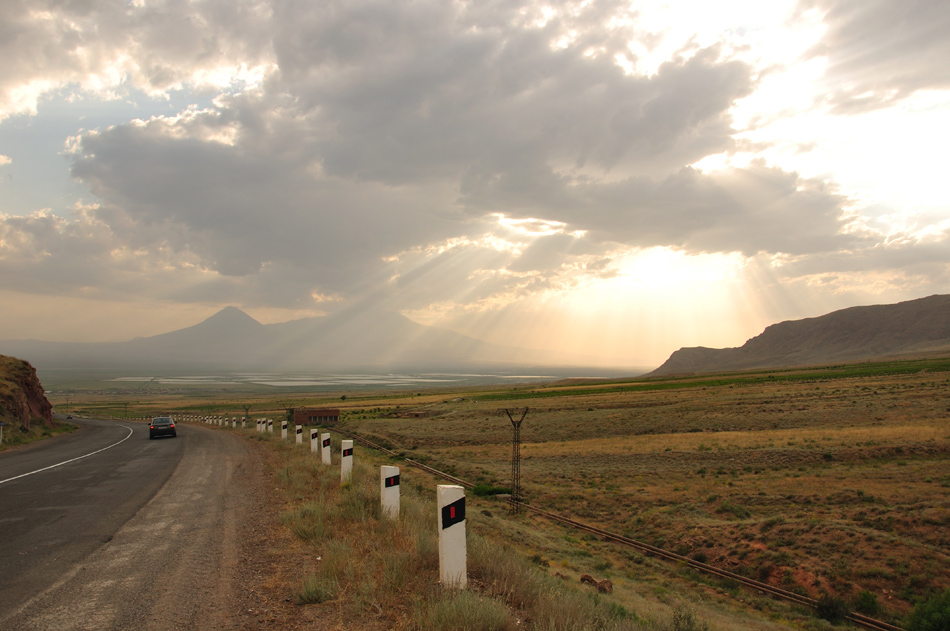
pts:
pixel 610 179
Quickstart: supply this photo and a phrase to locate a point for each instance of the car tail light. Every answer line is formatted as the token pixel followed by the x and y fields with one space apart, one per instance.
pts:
pixel 151 427
pixel 173 426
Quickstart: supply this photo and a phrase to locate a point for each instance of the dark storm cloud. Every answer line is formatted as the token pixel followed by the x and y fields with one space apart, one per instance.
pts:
pixel 880 51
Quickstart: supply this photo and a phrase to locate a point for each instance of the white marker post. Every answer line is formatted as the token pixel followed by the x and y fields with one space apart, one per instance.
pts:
pixel 452 552
pixel 389 491
pixel 325 448
pixel 270 425
pixel 314 441
pixel 346 461
pixel 299 429
pixel 283 430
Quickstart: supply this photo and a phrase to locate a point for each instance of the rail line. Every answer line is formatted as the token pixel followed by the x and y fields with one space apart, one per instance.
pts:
pixel 778 592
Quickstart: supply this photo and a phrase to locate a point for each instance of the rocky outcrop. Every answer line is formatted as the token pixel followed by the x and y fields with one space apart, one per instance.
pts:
pixel 22 399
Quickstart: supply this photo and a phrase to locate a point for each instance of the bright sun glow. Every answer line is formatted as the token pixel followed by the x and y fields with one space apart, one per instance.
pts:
pixel 648 303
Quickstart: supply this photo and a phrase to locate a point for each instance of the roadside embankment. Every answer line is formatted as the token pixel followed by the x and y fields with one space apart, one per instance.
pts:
pixel 25 412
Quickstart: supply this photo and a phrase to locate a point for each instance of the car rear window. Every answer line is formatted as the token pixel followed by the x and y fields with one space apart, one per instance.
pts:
pixel 161 421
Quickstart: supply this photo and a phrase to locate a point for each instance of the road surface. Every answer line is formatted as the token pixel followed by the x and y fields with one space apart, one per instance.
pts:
pixel 105 529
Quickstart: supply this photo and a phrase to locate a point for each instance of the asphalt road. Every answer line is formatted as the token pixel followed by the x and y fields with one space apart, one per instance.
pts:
pixel 124 533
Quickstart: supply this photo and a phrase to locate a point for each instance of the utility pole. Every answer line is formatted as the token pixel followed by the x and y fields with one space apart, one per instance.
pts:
pixel 67 406
pixel 514 504
pixel 289 409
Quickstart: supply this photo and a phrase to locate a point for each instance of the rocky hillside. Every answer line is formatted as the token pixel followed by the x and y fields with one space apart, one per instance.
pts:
pixel 855 334
pixel 22 400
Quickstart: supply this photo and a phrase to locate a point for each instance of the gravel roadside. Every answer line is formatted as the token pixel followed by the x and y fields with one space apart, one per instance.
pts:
pixel 207 552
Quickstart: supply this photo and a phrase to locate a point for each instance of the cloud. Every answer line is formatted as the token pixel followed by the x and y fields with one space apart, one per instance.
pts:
pixel 357 149
pixel 881 51
pixel 104 47
pixel 413 154
pixel 748 210
pixel 485 102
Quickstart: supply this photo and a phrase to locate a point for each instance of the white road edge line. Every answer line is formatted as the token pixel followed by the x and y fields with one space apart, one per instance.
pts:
pixel 23 475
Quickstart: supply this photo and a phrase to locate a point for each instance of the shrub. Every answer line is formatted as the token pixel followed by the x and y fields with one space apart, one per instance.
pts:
pixel 832 608
pixel 866 602
pixel 463 611
pixel 315 590
pixel 931 615
pixel 483 490
pixel 308 522
pixel 735 509
pixel 685 620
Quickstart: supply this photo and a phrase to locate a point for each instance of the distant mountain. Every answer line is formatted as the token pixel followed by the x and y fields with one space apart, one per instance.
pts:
pixel 231 340
pixel 854 334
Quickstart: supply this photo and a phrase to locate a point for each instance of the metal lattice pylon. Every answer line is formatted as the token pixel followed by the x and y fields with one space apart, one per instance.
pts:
pixel 514 503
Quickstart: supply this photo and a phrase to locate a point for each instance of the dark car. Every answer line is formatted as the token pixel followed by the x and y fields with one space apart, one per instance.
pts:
pixel 162 426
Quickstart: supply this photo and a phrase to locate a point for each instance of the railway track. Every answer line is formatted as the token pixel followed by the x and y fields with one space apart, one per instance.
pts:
pixel 765 588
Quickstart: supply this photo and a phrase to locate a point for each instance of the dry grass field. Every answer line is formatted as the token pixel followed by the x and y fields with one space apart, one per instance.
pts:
pixel 835 484
pixel 828 481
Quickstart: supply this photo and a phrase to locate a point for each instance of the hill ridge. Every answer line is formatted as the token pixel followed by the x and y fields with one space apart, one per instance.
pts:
pixel 851 334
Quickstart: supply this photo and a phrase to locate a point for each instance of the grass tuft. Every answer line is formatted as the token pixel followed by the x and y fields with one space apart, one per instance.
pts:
pixel 316 590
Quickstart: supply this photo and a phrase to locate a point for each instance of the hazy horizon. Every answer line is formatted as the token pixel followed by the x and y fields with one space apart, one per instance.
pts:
pixel 591 179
